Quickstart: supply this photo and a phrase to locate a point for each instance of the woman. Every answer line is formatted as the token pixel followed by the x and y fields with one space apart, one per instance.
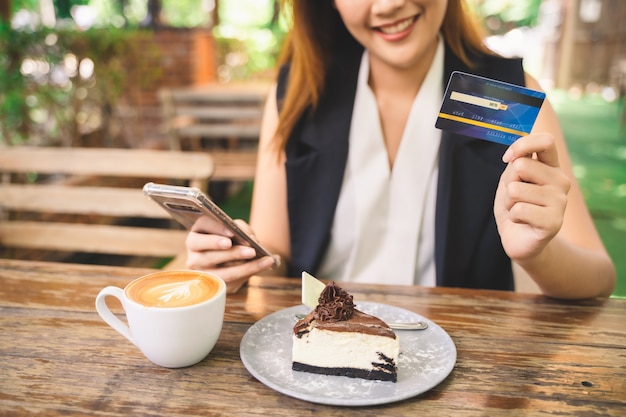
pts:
pixel 355 183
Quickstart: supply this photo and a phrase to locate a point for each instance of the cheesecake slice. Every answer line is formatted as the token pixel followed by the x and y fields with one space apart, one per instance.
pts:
pixel 337 339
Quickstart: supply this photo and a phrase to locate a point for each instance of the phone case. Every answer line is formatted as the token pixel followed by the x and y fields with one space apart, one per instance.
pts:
pixel 187 204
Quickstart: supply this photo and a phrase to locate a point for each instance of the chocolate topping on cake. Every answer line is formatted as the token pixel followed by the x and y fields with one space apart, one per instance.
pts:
pixel 336 312
pixel 334 304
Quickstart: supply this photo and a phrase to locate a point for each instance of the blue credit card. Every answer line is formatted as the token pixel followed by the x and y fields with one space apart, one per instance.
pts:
pixel 488 109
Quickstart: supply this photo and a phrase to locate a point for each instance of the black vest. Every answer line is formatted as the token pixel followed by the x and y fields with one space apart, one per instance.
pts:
pixel 468 250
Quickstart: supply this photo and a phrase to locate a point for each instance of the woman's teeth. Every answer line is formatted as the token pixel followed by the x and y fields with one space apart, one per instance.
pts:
pixel 398 27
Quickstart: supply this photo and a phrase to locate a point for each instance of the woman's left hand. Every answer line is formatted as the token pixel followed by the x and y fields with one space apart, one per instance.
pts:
pixel 531 197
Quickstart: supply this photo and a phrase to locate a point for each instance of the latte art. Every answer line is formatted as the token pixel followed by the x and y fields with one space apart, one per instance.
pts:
pixel 178 289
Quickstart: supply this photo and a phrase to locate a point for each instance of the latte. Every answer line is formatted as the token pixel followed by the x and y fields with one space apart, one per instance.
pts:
pixel 174 289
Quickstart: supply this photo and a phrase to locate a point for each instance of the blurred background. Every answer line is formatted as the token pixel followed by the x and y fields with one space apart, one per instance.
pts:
pixel 88 73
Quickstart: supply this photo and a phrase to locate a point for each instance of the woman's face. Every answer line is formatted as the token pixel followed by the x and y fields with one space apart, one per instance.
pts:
pixel 399 33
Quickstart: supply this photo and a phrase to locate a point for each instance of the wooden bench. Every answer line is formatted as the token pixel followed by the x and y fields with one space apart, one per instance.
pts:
pixel 223 120
pixel 234 165
pixel 89 200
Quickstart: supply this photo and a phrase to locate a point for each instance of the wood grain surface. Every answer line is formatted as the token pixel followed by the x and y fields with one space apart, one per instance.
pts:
pixel 517 354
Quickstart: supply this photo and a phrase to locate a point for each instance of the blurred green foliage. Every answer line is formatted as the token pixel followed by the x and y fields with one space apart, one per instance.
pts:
pixel 56 84
pixel 500 16
pixel 24 5
pixel 185 13
pixel 249 38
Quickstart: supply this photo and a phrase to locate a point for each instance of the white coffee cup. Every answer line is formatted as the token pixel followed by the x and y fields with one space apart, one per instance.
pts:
pixel 174 317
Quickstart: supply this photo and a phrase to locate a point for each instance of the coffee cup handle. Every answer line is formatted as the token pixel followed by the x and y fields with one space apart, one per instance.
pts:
pixel 106 314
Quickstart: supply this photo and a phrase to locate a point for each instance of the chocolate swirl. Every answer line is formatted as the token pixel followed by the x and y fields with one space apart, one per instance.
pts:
pixel 334 304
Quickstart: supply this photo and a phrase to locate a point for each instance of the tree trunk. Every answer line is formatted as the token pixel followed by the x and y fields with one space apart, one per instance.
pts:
pixel 5 11
pixel 153 17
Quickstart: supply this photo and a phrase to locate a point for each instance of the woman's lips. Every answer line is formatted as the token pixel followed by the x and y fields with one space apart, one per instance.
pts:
pixel 397 30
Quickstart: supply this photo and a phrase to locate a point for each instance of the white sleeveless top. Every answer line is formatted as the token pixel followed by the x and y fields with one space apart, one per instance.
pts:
pixel 383 231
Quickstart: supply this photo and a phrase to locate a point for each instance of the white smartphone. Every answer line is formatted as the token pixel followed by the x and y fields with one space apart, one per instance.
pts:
pixel 187 204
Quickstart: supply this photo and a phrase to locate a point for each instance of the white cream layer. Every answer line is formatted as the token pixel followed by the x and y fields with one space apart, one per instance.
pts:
pixel 330 349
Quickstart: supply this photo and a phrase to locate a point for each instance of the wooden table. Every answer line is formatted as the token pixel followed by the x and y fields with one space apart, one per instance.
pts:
pixel 518 354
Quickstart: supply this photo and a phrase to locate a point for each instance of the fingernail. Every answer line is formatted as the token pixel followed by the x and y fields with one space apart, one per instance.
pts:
pixel 266 262
pixel 507 155
pixel 225 243
pixel 247 252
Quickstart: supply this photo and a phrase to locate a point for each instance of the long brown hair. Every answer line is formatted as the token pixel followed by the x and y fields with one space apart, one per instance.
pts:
pixel 317 29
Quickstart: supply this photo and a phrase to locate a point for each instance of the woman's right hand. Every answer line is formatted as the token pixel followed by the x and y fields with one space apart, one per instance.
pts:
pixel 211 249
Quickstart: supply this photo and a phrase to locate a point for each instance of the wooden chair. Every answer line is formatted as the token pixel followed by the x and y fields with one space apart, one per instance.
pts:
pixel 224 120
pixel 89 200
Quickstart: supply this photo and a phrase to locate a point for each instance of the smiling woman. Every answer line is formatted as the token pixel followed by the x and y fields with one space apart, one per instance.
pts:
pixel 460 30
pixel 355 183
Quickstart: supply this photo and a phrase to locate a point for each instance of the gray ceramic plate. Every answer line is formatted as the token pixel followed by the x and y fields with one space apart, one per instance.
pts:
pixel 426 358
